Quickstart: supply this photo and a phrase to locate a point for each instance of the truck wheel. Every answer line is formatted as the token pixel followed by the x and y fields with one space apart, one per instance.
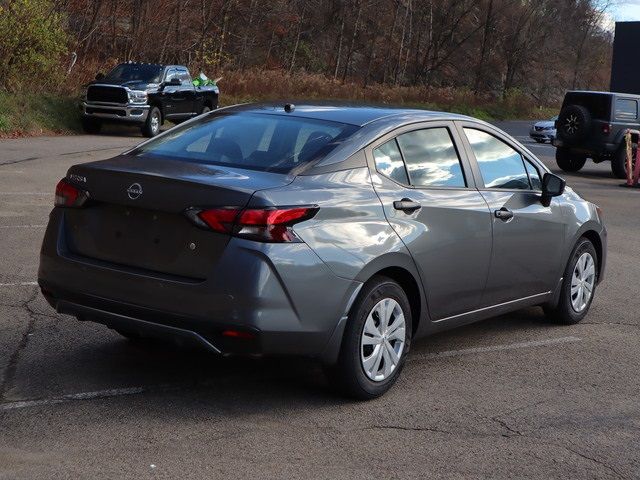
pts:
pixel 619 162
pixel 569 162
pixel 205 109
pixel 91 125
pixel 151 126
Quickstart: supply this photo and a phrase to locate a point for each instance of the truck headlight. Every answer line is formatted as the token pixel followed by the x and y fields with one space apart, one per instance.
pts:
pixel 137 96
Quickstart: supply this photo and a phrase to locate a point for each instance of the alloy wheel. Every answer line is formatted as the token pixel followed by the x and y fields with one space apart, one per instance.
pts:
pixel 583 282
pixel 383 340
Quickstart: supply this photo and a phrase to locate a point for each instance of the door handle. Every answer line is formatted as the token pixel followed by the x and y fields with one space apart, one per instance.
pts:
pixel 406 205
pixel 504 214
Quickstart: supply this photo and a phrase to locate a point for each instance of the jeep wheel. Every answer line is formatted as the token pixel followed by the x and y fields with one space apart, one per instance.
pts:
pixel 619 162
pixel 205 109
pixel 569 162
pixel 151 126
pixel 91 125
pixel 574 123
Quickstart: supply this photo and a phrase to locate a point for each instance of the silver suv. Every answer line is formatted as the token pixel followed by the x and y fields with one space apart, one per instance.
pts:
pixel 339 233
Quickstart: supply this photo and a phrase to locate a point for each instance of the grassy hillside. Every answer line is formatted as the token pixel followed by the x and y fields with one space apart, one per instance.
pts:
pixel 26 114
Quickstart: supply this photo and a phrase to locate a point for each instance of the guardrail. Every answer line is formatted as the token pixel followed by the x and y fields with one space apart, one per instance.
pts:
pixel 633 167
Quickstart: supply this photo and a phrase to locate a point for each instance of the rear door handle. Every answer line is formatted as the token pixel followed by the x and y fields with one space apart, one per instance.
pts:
pixel 406 205
pixel 504 214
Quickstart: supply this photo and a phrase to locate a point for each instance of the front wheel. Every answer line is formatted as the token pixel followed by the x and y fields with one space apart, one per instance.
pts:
pixel 569 162
pixel 151 126
pixel 91 125
pixel 376 340
pixel 578 287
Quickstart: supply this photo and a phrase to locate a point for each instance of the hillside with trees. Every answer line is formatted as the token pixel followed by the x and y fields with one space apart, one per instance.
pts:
pixel 461 54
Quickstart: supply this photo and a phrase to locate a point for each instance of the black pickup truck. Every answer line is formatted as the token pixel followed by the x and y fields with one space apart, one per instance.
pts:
pixel 146 95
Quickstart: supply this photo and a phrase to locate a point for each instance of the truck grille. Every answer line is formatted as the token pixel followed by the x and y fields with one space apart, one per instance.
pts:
pixel 98 93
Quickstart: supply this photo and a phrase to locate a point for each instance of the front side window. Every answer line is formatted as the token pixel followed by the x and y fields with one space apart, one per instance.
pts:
pixel 389 162
pixel 500 165
pixel 270 143
pixel 626 109
pixel 431 158
pixel 534 175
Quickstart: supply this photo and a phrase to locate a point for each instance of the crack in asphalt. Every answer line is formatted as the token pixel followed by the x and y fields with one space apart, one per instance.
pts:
pixel 12 366
pixel 594 460
pixel 63 154
pixel 409 429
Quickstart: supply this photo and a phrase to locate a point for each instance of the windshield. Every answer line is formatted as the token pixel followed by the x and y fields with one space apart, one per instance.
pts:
pixel 131 72
pixel 270 143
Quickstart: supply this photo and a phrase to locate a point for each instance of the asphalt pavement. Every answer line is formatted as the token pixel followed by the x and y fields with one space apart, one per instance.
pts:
pixel 510 397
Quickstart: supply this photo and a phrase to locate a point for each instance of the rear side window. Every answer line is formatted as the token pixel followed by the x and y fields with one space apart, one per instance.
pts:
pixel 431 158
pixel 501 166
pixel 270 143
pixel 389 162
pixel 626 109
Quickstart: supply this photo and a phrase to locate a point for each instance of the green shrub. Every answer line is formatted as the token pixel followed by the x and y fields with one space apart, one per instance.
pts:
pixel 32 41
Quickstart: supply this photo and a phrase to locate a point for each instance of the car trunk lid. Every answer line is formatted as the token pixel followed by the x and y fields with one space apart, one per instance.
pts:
pixel 135 216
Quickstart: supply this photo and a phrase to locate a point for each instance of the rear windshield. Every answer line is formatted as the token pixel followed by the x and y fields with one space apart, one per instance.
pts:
pixel 270 143
pixel 598 104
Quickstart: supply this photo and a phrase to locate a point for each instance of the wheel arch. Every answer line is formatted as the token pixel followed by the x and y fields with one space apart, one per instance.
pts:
pixel 400 267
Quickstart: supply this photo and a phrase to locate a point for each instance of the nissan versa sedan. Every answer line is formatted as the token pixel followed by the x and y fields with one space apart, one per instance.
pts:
pixel 342 233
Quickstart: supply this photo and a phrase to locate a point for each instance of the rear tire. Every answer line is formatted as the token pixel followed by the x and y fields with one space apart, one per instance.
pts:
pixel 619 162
pixel 366 367
pixel 152 125
pixel 205 109
pixel 574 123
pixel 569 309
pixel 91 126
pixel 569 162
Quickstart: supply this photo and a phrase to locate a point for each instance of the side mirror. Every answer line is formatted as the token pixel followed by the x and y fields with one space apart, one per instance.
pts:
pixel 99 76
pixel 552 186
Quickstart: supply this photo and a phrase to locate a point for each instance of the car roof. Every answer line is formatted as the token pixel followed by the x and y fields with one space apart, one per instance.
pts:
pixel 345 112
pixel 591 92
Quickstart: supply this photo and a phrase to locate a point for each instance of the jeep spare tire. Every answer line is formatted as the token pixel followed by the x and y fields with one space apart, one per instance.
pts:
pixel 574 123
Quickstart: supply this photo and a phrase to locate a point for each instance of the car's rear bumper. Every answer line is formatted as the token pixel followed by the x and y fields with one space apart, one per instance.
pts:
pixel 130 113
pixel 599 149
pixel 276 299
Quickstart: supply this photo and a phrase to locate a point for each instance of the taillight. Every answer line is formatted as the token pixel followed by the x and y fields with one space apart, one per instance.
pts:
pixel 68 195
pixel 261 224
pixel 606 129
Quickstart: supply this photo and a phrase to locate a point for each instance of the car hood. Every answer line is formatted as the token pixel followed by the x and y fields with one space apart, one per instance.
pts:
pixel 131 84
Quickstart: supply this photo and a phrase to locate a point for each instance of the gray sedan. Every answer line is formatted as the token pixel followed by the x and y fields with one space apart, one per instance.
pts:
pixel 336 232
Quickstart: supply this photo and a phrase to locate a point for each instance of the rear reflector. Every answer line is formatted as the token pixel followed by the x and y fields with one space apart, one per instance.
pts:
pixel 606 129
pixel 238 334
pixel 68 195
pixel 261 224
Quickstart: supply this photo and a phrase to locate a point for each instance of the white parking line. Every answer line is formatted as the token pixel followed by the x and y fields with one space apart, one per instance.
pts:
pixel 99 394
pixel 22 226
pixel 118 392
pixel 115 392
pixel 19 284
pixel 26 193
pixel 497 348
